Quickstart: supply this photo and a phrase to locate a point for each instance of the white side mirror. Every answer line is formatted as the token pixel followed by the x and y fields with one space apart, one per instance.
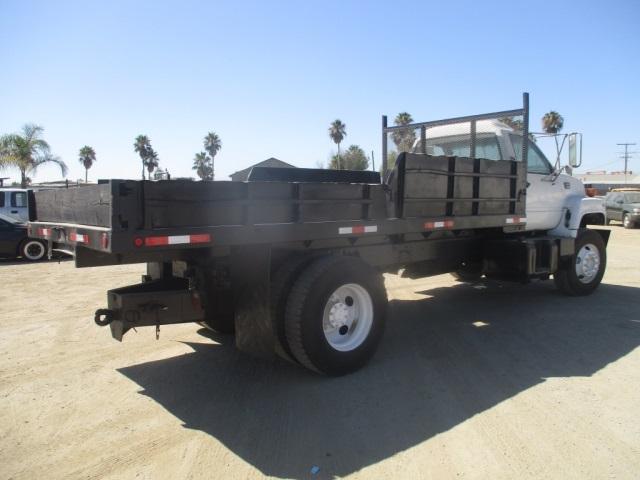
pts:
pixel 575 149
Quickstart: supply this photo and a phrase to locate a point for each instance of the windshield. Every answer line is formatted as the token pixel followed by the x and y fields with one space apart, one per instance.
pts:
pixel 11 220
pixel 632 197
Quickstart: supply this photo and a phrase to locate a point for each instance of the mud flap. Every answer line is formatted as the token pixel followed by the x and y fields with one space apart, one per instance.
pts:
pixel 250 280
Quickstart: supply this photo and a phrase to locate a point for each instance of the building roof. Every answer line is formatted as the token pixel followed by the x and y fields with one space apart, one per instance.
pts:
pixel 269 162
pixel 608 178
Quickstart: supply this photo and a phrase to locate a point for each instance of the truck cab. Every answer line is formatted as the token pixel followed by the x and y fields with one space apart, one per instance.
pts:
pixel 556 202
pixel 14 203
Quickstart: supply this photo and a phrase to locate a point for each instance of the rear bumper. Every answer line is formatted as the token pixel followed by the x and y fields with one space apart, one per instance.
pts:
pixel 67 237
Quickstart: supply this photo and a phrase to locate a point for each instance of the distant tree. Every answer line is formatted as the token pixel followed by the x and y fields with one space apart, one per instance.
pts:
pixel 212 144
pixel 337 132
pixel 151 162
pixel 353 159
pixel 202 165
pixel 87 159
pixel 405 138
pixel 26 152
pixel 142 146
pixel 552 122
pixel 515 124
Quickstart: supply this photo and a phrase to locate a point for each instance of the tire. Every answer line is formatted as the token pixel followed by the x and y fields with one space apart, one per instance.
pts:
pixel 33 250
pixel 335 315
pixel 626 221
pixel 590 249
pixel 281 284
pixel 471 272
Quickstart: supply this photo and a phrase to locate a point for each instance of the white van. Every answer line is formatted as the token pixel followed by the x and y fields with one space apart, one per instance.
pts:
pixel 14 202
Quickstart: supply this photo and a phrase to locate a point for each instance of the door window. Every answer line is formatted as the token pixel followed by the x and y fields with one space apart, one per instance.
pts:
pixel 536 161
pixel 18 199
pixel 1 199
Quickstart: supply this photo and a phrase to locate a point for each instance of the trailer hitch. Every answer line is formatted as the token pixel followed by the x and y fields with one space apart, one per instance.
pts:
pixel 151 303
pixel 103 317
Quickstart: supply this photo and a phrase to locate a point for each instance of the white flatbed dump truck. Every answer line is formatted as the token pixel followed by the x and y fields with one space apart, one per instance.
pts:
pixel 291 260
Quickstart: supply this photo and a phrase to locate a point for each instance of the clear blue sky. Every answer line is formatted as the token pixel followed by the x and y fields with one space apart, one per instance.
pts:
pixel 269 77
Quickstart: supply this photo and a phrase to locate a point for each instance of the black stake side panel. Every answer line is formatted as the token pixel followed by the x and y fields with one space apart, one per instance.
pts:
pixel 474 193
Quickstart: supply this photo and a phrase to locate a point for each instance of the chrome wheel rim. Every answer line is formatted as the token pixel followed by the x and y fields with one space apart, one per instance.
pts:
pixel 587 263
pixel 347 317
pixel 625 220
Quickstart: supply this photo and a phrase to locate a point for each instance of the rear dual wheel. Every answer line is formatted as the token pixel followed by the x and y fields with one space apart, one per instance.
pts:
pixel 334 316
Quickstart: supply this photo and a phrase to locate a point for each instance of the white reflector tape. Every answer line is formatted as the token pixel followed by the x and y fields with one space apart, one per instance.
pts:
pixel 45 232
pixel 78 237
pixel 358 229
pixel 178 239
pixel 173 240
pixel 439 224
pixel 513 220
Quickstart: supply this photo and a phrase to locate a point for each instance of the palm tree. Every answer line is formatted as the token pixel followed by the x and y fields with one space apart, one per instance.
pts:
pixel 151 162
pixel 552 123
pixel 142 146
pixel 27 151
pixel 202 166
pixel 212 144
pixel 405 138
pixel 87 158
pixel 337 132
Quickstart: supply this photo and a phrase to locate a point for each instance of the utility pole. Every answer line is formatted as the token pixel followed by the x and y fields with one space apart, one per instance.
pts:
pixel 626 157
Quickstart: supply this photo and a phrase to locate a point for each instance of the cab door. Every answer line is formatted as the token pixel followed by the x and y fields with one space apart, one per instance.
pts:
pixel 545 195
pixel 19 206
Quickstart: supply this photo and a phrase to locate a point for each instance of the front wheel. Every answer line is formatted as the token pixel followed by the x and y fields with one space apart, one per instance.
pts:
pixel 626 221
pixel 335 315
pixel 583 273
pixel 33 250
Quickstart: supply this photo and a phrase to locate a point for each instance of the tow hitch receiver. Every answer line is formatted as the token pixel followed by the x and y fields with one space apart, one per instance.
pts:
pixel 153 303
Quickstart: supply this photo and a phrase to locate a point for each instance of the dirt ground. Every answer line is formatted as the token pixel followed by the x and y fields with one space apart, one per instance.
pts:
pixel 471 381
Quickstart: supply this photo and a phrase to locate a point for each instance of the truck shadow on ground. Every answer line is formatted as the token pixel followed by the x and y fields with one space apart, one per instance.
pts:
pixel 445 358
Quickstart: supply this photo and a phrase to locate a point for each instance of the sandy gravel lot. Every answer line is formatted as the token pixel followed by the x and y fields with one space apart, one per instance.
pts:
pixel 548 388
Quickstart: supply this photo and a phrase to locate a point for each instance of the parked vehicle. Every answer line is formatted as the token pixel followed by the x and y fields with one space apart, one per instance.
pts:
pixel 623 205
pixel 292 260
pixel 14 241
pixel 14 202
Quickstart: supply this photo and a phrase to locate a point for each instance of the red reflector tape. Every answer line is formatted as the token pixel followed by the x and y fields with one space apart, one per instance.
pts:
pixel 176 240
pixel 45 232
pixel 78 237
pixel 440 224
pixel 358 229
